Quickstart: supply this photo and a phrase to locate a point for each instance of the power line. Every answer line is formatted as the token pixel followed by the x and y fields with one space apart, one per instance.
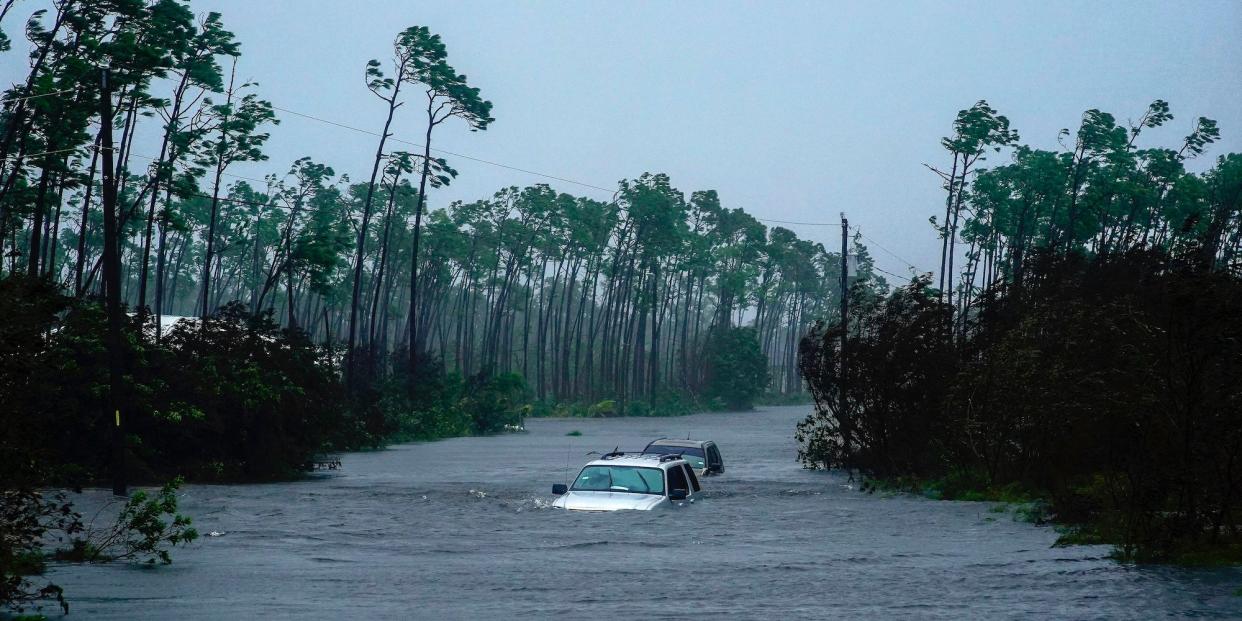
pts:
pixel 500 165
pixel 229 200
pixel 878 269
pixel 67 90
pixel 802 223
pixel 33 155
pixel 225 174
pixel 268 204
pixel 890 252
pixel 138 155
pixel 438 150
pixel 446 152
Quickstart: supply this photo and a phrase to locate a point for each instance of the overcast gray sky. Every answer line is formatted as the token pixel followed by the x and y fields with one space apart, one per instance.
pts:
pixel 792 110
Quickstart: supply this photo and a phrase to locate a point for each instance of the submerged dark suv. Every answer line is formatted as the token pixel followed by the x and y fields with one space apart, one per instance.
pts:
pixel 702 455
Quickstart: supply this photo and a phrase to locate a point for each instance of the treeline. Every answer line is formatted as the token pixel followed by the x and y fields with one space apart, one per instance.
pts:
pixel 593 300
pixel 585 299
pixel 1103 195
pixel 1086 351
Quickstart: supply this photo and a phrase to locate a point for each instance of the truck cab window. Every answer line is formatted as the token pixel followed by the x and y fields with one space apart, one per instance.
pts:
pixel 694 479
pixel 677 479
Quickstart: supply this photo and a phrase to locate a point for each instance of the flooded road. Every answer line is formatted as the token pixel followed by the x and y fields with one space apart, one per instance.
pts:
pixel 461 529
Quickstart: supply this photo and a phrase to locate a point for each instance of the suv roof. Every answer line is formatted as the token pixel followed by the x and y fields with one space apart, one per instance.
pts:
pixel 674 442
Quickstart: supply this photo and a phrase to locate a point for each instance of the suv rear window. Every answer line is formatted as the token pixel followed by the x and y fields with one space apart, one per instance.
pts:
pixel 674 450
pixel 713 455
pixel 692 454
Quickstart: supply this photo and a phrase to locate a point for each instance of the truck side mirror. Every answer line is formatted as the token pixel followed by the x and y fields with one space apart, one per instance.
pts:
pixel 559 488
pixel 678 494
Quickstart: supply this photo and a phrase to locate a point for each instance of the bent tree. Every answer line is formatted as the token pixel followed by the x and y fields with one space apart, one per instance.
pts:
pixel 448 96
pixel 415 51
pixel 975 130
pixel 236 138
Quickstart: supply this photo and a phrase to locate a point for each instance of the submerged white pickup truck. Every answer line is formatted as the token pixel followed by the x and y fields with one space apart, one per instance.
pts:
pixel 619 481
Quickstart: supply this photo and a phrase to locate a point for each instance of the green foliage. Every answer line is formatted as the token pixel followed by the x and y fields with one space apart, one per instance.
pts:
pixel 442 405
pixel 34 526
pixel 737 369
pixel 605 408
pixel 27 519
pixel 145 528
pixel 899 361
pixel 1083 355
pixel 237 137
pixel 493 402
pixel 262 400
pixel 638 408
pixel 673 403
pixel 231 397
pixel 1106 387
pixel 1033 512
pixel 572 293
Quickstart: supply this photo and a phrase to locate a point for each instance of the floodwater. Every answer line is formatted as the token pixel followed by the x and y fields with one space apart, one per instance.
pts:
pixel 461 529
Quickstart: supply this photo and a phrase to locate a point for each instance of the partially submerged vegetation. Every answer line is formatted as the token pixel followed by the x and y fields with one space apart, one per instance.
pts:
pixel 42 527
pixel 1089 356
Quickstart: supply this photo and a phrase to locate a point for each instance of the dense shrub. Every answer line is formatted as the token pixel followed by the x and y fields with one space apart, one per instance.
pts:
pixel 1108 386
pixel 899 362
pixel 736 367
pixel 243 392
pixel 493 402
pixel 232 397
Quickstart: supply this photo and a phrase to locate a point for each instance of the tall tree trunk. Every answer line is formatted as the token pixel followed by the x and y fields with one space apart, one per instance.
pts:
pixel 174 121
pixel 383 261
pixel 944 226
pixel 418 220
pixel 159 274
pixel 655 332
pixel 360 253
pixel 214 209
pixel 36 228
pixel 83 226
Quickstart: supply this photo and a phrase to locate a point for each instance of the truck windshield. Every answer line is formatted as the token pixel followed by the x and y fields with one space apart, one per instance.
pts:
pixel 692 454
pixel 631 479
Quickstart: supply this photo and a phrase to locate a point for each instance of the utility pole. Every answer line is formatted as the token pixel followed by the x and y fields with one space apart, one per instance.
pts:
pixel 112 283
pixel 845 306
